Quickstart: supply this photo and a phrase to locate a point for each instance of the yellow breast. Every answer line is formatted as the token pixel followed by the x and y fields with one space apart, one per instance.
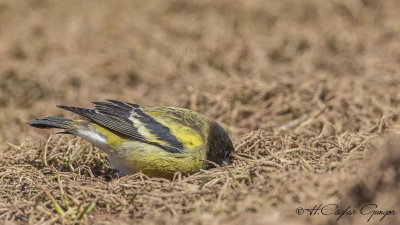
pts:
pixel 152 160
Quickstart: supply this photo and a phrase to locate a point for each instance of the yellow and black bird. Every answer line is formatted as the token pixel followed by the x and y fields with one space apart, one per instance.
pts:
pixel 158 141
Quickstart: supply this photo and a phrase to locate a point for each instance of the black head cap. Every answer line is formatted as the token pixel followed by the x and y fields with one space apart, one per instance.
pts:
pixel 220 146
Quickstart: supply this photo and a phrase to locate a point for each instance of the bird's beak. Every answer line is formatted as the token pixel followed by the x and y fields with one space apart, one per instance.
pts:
pixel 227 161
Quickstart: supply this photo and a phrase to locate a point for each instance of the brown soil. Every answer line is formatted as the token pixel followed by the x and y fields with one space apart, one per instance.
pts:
pixel 308 90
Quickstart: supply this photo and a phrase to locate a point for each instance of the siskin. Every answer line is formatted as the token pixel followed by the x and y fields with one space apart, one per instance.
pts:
pixel 158 141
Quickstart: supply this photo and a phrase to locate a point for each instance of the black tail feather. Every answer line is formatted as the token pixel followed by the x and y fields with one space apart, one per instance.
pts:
pixel 52 122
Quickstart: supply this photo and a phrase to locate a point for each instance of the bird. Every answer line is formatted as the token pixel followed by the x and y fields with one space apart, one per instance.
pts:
pixel 158 141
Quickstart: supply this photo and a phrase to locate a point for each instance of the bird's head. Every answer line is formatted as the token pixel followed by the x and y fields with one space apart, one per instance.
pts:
pixel 220 147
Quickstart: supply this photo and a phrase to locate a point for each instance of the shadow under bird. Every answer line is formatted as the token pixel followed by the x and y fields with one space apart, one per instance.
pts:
pixel 158 141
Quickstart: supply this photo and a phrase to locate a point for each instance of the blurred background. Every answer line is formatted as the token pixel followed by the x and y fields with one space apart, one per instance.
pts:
pixel 306 89
pixel 251 64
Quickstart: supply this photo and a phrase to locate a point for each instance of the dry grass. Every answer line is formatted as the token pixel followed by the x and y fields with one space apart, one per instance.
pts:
pixel 308 91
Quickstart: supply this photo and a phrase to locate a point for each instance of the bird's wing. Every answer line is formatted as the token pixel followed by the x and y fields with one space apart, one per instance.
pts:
pixel 189 128
pixel 132 120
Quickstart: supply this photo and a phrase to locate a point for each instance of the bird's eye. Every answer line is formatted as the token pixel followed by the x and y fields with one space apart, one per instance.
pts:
pixel 226 154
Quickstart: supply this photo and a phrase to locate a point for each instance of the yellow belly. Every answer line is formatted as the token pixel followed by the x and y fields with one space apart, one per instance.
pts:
pixel 156 162
pixel 130 156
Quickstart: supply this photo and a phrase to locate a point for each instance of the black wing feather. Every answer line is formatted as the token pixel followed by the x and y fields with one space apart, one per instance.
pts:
pixel 112 123
pixel 113 110
pixel 115 115
pixel 163 133
pixel 125 105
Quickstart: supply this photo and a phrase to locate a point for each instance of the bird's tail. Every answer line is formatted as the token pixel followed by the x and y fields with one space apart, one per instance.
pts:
pixel 69 126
